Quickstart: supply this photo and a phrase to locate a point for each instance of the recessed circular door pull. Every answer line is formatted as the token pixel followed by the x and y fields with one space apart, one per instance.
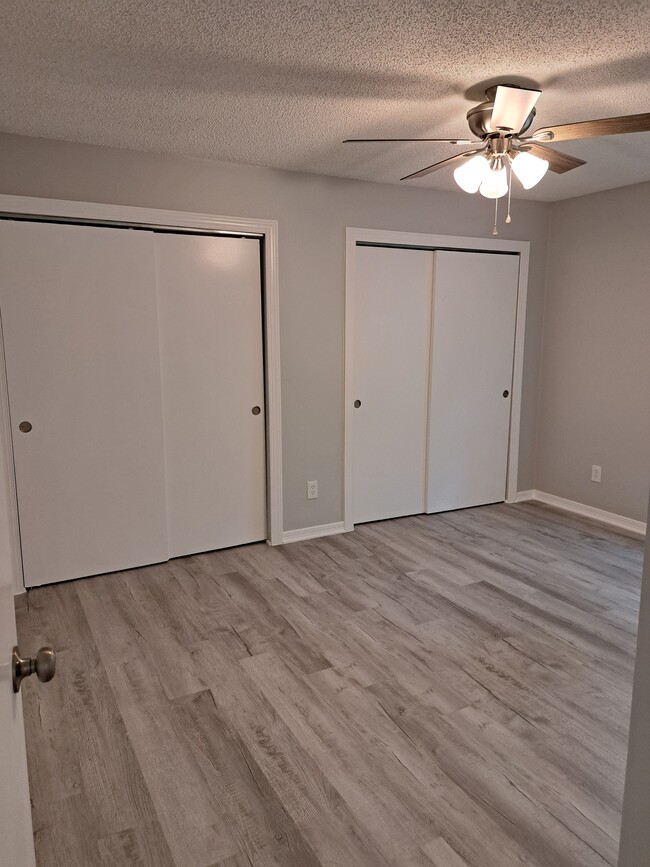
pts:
pixel 43 665
pixel 25 427
pixel 256 410
pixel 357 404
pixel 506 393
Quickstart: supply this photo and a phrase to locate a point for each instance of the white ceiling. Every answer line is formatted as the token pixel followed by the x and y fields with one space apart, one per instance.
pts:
pixel 282 83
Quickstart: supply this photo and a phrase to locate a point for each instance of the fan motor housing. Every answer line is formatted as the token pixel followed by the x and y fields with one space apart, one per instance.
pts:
pixel 479 118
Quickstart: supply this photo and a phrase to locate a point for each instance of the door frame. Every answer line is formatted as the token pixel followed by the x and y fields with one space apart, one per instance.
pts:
pixel 417 240
pixel 152 218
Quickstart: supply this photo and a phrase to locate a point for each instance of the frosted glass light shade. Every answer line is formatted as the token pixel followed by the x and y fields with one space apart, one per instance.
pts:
pixel 495 184
pixel 471 174
pixel 529 169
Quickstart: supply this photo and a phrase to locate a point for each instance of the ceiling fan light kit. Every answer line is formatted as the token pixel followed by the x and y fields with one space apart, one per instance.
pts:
pixel 488 176
pixel 499 125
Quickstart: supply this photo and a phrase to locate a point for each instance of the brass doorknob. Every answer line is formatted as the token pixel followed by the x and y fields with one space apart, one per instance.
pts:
pixel 43 665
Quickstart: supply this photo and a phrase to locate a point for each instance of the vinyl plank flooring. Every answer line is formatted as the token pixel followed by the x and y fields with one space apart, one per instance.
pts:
pixel 253 809
pixel 442 855
pixel 378 790
pixel 198 835
pixel 305 792
pixel 449 690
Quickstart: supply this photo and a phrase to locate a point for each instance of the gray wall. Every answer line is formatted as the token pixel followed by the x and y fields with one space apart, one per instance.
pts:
pixel 595 388
pixel 313 212
pixel 635 833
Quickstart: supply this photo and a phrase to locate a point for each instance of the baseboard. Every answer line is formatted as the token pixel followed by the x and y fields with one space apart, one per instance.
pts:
pixel 523 497
pixel 639 528
pixel 313 532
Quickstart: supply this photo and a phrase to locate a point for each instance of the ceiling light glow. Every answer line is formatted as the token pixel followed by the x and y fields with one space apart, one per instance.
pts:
pixel 495 184
pixel 529 169
pixel 471 174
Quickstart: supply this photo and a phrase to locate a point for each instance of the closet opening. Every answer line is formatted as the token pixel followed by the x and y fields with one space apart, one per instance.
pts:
pixel 433 368
pixel 164 375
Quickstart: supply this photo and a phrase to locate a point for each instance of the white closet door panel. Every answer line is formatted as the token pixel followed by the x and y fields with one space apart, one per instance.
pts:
pixel 391 316
pixel 210 310
pixel 473 334
pixel 78 307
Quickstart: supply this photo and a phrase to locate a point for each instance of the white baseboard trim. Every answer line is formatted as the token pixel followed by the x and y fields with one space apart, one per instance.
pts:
pixel 313 532
pixel 523 496
pixel 639 528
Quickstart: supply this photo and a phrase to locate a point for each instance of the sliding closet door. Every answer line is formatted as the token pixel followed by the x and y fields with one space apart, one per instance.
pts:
pixel 78 306
pixel 211 349
pixel 474 311
pixel 390 316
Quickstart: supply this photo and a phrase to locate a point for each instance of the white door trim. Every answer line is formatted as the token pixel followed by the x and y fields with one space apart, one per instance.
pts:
pixel 435 242
pixel 153 218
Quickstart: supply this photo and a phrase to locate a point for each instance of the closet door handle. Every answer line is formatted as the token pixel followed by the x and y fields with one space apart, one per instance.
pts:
pixel 357 404
pixel 25 426
pixel 506 393
pixel 256 410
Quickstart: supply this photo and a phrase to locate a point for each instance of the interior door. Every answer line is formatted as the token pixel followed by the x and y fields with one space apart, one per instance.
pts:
pixel 211 350
pixel 473 336
pixel 17 844
pixel 391 316
pixel 78 306
pixel 16 841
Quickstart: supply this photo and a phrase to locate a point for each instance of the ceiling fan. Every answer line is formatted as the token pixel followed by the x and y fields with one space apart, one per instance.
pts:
pixel 500 125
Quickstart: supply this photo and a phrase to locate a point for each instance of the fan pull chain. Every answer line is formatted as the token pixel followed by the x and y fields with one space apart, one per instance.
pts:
pixel 508 218
pixel 495 231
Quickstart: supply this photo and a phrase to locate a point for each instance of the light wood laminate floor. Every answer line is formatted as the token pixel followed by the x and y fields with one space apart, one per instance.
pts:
pixel 448 690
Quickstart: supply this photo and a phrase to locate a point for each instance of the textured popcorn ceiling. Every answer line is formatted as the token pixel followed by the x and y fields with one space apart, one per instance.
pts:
pixel 282 83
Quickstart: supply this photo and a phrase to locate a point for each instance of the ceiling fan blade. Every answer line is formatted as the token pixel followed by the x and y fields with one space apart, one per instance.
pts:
pixel 450 161
pixel 512 105
pixel 458 141
pixel 557 161
pixel 593 128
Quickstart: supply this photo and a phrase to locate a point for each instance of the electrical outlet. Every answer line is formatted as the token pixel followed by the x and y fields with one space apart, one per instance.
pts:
pixel 596 473
pixel 312 490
